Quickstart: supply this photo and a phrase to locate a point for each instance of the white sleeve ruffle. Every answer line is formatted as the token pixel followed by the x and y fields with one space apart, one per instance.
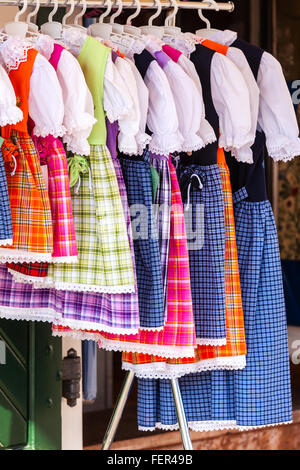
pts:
pixel 232 102
pixel 78 104
pixel 9 111
pixel 277 117
pixel 45 102
pixel 162 117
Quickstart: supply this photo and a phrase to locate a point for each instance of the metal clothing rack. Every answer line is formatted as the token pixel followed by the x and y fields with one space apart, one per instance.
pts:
pixel 127 384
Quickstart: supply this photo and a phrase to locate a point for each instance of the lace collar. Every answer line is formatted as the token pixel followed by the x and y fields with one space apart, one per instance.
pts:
pixel 45 45
pixel 13 52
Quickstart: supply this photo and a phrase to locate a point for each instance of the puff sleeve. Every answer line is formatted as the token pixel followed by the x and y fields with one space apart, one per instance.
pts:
pixel 277 117
pixel 45 102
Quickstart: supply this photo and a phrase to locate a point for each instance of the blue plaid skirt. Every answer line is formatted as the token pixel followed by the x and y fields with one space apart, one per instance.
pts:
pixel 202 195
pixel 6 230
pixel 137 178
pixel 260 394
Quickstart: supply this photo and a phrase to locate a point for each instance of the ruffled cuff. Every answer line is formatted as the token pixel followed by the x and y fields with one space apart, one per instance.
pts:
pixel 243 155
pixel 127 144
pixel 59 131
pixel 192 142
pixel 164 144
pixel 207 133
pixel 282 148
pixel 142 140
pixel 10 115
pixel 77 144
pixel 84 122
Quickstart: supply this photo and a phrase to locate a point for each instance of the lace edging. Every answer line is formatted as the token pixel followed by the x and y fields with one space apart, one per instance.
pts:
pixel 57 132
pixel 21 278
pixel 173 371
pixel 207 426
pixel 168 352
pixel 81 147
pixel 145 328
pixel 75 287
pixel 142 141
pixel 78 326
pixel 28 314
pixel 11 115
pixel 64 259
pixel 8 241
pixel 211 342
pixel 22 257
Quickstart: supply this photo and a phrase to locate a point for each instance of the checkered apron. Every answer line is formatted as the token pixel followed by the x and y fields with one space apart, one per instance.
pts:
pixel 137 178
pixel 258 395
pixel 162 203
pixel 29 202
pixel 104 256
pixel 6 228
pixel 201 188
pixel 177 339
pixel 229 356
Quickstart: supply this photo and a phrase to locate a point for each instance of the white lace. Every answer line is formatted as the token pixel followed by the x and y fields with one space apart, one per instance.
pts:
pixel 14 51
pixel 59 131
pixel 26 279
pixel 142 140
pixel 64 259
pixel 192 143
pixel 74 38
pixel 284 151
pixel 157 370
pixel 207 426
pixel 159 328
pixel 10 115
pixel 169 352
pixel 211 342
pixel 135 47
pixel 127 144
pixel 29 314
pixel 76 287
pixel 78 146
pixel 8 255
pixel 8 241
pixel 45 45
pixel 96 328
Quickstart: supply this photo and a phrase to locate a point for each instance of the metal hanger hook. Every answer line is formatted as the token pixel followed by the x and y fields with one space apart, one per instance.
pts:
pixel 136 13
pixel 117 13
pixel 157 13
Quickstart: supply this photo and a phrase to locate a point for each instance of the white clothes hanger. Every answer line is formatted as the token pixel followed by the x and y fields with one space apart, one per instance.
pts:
pixel 117 28
pixel 68 13
pixel 52 28
pixel 78 16
pixel 150 28
pixel 207 32
pixel 170 29
pixel 32 27
pixel 102 30
pixel 128 28
pixel 16 27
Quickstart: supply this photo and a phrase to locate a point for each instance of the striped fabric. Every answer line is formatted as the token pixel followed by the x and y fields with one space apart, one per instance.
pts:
pixel 30 206
pixel 104 256
pixel 6 228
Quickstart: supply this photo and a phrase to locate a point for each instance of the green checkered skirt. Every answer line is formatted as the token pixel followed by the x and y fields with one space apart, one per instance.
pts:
pixel 104 257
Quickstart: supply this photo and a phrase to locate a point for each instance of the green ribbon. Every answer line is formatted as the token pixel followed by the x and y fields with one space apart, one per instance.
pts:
pixel 76 164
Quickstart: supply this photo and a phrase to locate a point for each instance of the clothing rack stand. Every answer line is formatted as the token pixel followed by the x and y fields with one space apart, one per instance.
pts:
pixel 129 378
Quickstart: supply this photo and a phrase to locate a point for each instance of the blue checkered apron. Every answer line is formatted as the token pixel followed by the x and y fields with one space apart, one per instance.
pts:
pixel 137 178
pixel 260 394
pixel 204 207
pixel 6 230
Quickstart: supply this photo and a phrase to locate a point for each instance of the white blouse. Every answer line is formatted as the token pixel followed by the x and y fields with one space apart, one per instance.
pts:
pixel 277 117
pixel 45 102
pixel 9 111
pixel 78 102
pixel 129 124
pixel 142 139
pixel 187 101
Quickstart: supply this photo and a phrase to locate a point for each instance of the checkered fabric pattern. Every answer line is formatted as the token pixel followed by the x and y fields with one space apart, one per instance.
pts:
pixel 207 262
pixel 137 177
pixel 260 394
pixel 29 201
pixel 179 329
pixel 104 256
pixel 236 343
pixel 30 269
pixel 163 201
pixel 6 229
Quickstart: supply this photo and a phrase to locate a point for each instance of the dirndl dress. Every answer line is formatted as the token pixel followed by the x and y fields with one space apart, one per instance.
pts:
pixel 6 228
